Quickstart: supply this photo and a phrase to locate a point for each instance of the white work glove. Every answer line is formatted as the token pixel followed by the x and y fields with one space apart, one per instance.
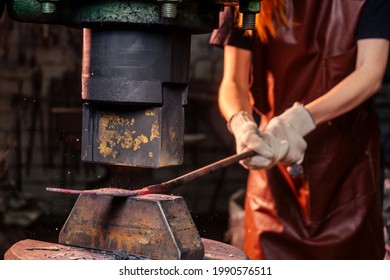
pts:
pixel 292 126
pixel 248 137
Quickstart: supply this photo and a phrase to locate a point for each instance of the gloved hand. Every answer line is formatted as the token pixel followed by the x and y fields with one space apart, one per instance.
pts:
pixel 248 137
pixel 292 126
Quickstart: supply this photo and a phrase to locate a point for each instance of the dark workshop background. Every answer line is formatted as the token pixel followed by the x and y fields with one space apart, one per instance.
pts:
pixel 40 120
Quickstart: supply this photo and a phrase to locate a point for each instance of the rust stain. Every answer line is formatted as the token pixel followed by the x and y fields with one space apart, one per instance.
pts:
pixel 138 141
pixel 116 132
pixel 107 136
pixel 155 131
pixel 149 113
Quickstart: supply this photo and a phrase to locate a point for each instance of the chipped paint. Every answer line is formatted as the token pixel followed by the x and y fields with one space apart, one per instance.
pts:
pixel 155 131
pixel 149 113
pixel 106 137
pixel 115 132
pixel 138 141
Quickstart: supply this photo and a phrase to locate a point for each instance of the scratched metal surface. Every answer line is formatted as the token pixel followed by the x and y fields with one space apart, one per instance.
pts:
pixel 39 250
pixel 152 226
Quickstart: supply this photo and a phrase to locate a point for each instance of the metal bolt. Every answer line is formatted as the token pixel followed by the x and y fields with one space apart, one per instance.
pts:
pixel 48 8
pixel 249 21
pixel 169 10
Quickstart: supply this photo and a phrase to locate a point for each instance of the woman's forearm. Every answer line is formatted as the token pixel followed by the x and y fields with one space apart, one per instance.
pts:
pixel 358 86
pixel 233 98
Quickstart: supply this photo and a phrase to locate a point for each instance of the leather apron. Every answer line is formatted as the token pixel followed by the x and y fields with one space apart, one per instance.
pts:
pixel 333 210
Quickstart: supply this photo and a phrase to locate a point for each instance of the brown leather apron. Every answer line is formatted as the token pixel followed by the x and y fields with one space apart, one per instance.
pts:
pixel 333 210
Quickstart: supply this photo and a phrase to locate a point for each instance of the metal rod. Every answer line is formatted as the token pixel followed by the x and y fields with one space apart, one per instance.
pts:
pixel 189 177
pixel 165 186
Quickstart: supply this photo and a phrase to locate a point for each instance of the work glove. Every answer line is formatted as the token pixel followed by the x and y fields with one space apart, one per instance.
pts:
pixel 292 126
pixel 248 137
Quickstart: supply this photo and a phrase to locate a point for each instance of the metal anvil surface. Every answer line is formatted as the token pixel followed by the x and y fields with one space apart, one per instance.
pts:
pixel 152 226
